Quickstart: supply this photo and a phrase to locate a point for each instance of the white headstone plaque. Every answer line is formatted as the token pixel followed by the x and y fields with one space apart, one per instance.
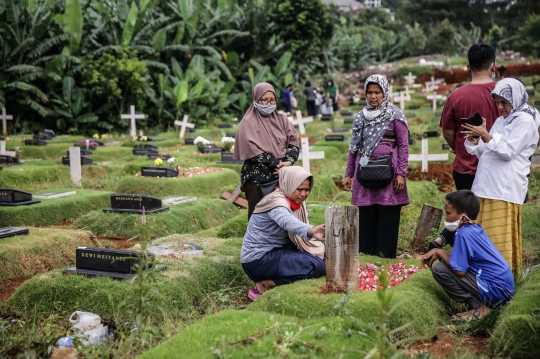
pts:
pixel 75 166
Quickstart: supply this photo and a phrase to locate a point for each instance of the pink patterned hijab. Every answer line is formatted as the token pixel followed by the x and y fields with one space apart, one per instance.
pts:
pixel 257 134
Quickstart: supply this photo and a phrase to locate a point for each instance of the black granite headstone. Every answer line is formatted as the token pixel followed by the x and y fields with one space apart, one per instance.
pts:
pixel 189 141
pixel 84 152
pixel 42 136
pixel 49 132
pixel 413 107
pixel 346 113
pixel 227 157
pixel 445 146
pixel 348 121
pixel 211 148
pixel 341 129
pixel 190 130
pixel 14 197
pixel 85 161
pixel 411 141
pixel 2 138
pixel 8 159
pixel 438 114
pixel 326 118
pixel 134 203
pixel 144 151
pixel 33 142
pixel 334 138
pixel 146 145
pixel 225 125
pixel 410 115
pixel 530 92
pixel 158 172
pixel 164 156
pixel 431 134
pixel 231 134
pixel 113 263
pixel 12 231
pixel 537 102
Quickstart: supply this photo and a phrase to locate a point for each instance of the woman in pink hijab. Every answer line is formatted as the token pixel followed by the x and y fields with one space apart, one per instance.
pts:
pixel 266 141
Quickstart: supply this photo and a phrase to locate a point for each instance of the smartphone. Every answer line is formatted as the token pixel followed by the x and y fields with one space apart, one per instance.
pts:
pixel 475 120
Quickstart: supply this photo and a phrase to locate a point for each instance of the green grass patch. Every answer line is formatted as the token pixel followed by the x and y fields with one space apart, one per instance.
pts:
pixel 54 211
pixel 208 185
pixel 33 178
pixel 234 227
pixel 324 189
pixel 40 251
pixel 244 334
pixel 183 218
pixel 420 301
pixel 342 147
pixel 517 332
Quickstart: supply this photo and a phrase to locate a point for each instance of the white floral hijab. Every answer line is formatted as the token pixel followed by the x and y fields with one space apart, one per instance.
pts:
pixel 514 92
pixel 371 123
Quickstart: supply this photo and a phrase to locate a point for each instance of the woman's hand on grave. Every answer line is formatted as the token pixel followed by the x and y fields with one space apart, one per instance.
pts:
pixel 318 232
pixel 399 183
pixel 347 183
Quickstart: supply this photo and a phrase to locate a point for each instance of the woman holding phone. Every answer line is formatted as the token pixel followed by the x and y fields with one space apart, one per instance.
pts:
pixel 503 164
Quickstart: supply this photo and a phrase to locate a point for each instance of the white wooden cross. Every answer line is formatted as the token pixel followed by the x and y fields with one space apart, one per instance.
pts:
pixel 425 157
pixel 5 117
pixel 306 155
pixel 432 85
pixel 132 116
pixel 402 98
pixel 4 152
pixel 300 121
pixel 183 125
pixel 410 79
pixel 434 98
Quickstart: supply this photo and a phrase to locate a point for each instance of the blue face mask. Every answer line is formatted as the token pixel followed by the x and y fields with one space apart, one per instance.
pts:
pixel 265 110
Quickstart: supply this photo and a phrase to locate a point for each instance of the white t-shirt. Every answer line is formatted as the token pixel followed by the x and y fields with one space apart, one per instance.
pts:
pixel 503 162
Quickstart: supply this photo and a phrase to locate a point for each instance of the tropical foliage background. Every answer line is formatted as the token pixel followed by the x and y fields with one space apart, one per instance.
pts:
pixel 76 65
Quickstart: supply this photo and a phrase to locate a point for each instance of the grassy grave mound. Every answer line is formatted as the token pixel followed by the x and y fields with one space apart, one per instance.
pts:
pixel 188 287
pixel 517 332
pixel 420 301
pixel 40 251
pixel 164 143
pixel 52 150
pixel 324 189
pixel 234 227
pixel 208 185
pixel 34 177
pixel 54 211
pixel 342 147
pixel 244 334
pixel 183 218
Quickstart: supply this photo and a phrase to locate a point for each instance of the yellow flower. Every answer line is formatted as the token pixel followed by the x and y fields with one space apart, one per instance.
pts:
pixel 232 148
pixel 144 138
pixel 104 136
pixel 134 138
pixel 96 136
pixel 158 162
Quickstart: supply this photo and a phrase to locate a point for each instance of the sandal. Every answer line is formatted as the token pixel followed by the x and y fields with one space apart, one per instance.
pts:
pixel 467 316
pixel 253 293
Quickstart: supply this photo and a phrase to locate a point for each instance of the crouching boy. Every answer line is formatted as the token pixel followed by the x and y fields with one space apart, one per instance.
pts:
pixel 475 273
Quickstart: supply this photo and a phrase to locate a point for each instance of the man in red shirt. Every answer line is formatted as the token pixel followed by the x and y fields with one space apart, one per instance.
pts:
pixel 463 103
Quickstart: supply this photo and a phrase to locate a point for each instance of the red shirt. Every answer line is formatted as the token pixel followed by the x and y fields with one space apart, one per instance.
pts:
pixel 463 103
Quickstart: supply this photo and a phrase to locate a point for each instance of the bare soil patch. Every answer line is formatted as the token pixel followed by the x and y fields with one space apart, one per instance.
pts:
pixel 449 344
pixel 440 173
pixel 8 287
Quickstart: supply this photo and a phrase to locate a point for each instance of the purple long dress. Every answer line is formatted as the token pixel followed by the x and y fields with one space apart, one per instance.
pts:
pixel 362 196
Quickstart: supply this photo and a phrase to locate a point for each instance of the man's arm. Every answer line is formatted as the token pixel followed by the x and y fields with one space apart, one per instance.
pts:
pixel 437 253
pixel 450 137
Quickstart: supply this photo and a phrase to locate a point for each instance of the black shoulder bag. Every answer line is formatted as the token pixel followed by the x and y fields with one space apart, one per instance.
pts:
pixel 378 173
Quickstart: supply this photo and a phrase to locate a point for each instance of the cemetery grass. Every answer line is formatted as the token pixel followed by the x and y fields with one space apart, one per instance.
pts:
pixel 55 211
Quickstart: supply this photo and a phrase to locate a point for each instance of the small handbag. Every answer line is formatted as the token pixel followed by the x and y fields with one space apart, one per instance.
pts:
pixel 378 173
pixel 269 187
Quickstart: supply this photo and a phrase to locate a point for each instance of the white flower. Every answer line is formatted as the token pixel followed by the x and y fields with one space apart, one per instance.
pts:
pixel 171 160
pixel 227 139
pixel 202 140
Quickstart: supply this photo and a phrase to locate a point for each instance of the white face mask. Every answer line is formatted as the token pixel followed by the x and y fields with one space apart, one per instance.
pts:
pixel 453 226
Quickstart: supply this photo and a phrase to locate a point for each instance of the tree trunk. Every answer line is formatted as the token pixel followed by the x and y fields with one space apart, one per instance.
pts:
pixel 342 248
pixel 430 220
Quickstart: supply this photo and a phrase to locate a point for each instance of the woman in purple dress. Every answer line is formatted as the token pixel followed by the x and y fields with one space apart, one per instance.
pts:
pixel 380 129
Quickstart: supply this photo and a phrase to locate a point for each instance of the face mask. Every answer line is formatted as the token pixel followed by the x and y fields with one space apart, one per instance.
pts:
pixel 265 110
pixel 329 84
pixel 453 226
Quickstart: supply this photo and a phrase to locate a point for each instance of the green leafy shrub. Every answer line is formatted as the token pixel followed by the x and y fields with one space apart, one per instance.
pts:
pixel 415 70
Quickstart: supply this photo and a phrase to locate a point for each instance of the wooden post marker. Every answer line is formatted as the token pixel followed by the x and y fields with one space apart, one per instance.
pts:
pixel 183 125
pixel 341 248
pixel 430 220
pixel 5 117
pixel 132 116
pixel 75 166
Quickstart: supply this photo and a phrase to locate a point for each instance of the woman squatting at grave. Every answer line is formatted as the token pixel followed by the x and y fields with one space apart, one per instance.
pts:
pixel 503 166
pixel 266 141
pixel 280 247
pixel 380 138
